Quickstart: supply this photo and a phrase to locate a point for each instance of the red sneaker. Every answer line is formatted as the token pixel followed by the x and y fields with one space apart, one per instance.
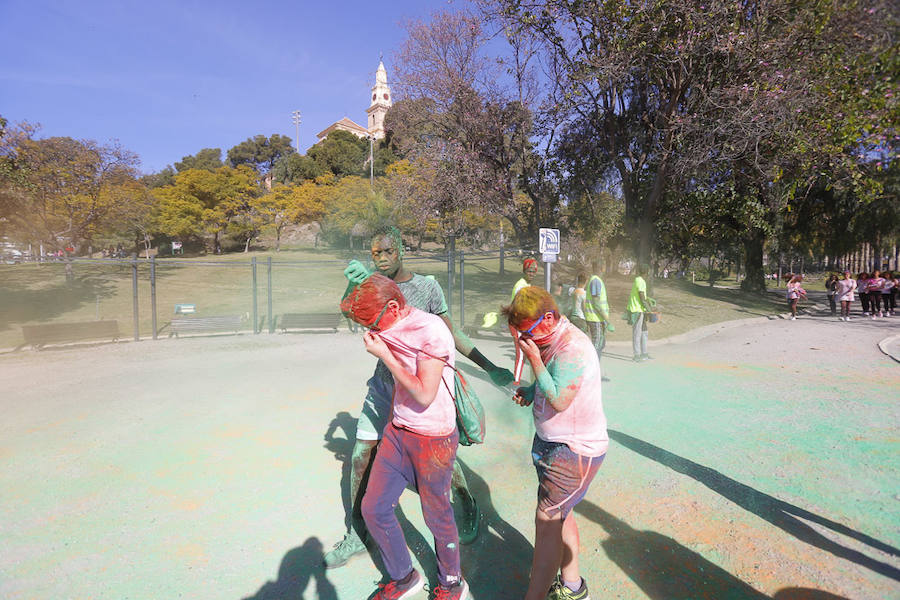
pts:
pixel 459 591
pixel 394 590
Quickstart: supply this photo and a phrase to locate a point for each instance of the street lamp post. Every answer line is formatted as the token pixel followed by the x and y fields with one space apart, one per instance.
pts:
pixel 371 160
pixel 295 117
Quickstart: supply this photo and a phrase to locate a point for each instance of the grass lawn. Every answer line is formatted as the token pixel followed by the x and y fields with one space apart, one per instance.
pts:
pixel 309 280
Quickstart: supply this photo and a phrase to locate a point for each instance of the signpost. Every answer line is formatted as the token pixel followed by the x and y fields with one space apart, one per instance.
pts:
pixel 548 245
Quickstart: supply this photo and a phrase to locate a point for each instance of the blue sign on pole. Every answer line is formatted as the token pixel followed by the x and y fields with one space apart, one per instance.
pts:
pixel 548 242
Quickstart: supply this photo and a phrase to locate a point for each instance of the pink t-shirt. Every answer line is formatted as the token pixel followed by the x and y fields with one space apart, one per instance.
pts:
pixel 423 331
pixel 845 289
pixel 794 290
pixel 571 360
pixel 875 284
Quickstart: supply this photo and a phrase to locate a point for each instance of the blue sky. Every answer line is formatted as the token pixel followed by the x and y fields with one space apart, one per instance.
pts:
pixel 169 78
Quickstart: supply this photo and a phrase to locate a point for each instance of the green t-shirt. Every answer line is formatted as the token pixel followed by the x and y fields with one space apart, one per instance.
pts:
pixel 634 300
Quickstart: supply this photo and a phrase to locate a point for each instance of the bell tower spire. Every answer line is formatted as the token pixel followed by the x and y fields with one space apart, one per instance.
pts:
pixel 381 102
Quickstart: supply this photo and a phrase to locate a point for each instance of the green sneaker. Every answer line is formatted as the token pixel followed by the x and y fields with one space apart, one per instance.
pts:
pixel 344 550
pixel 558 591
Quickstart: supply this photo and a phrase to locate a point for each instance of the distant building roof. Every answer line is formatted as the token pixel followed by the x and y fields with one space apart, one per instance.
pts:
pixel 344 124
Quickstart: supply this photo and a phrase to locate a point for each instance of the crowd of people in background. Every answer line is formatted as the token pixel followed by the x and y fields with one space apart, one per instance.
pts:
pixel 877 292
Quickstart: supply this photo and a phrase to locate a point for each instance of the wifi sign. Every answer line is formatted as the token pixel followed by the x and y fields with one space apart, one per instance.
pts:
pixel 548 242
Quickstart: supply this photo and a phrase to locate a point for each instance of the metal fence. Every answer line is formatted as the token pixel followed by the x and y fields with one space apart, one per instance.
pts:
pixel 144 296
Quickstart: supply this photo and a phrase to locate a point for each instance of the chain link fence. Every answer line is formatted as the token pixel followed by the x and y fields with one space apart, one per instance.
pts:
pixel 144 296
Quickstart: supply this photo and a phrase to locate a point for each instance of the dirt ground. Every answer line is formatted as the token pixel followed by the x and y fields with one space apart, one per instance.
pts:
pixel 758 462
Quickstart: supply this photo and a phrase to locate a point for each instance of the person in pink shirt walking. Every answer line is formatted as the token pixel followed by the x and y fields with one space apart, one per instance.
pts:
pixel 570 440
pixel 874 286
pixel 795 291
pixel 844 289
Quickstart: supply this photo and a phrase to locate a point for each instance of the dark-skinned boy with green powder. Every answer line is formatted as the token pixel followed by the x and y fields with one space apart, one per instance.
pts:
pixel 425 294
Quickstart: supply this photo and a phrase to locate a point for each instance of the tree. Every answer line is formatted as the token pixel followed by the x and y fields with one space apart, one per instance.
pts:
pixel 455 114
pixel 353 208
pixel 134 215
pixel 341 153
pixel 67 191
pixel 11 176
pixel 203 203
pixel 159 179
pixel 260 152
pixel 208 158
pixel 284 205
pixel 661 97
pixel 296 168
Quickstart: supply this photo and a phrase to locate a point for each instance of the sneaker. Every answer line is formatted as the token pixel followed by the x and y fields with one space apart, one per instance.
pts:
pixel 646 357
pixel 460 591
pixel 637 358
pixel 558 591
pixel 469 524
pixel 793 318
pixel 344 550
pixel 394 590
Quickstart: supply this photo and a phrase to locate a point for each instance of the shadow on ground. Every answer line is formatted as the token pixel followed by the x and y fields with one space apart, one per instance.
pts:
pixel 298 567
pixel 665 570
pixel 497 565
pixel 782 514
pixel 23 302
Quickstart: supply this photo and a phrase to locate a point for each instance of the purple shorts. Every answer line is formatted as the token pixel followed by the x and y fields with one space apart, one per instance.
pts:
pixel 563 476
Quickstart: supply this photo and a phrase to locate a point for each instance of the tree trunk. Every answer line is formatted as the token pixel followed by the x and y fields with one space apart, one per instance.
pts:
pixel 754 278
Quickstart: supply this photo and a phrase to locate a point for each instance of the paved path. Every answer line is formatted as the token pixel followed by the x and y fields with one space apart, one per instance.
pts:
pixel 760 461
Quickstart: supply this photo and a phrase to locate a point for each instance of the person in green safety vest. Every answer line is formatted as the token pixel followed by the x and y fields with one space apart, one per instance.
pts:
pixel 638 309
pixel 596 309
pixel 529 271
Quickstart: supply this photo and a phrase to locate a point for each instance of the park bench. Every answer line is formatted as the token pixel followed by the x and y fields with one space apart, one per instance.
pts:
pixel 39 335
pixel 305 321
pixel 217 324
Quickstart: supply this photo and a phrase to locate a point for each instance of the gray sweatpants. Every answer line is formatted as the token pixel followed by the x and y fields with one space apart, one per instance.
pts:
pixel 639 335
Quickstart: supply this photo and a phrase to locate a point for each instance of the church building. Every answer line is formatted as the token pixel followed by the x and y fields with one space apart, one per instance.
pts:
pixel 381 102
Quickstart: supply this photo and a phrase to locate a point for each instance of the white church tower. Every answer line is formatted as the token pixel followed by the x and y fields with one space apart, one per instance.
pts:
pixel 381 102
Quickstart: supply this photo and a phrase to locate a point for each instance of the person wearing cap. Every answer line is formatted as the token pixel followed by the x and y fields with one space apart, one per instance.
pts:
pixel 423 293
pixel 570 438
pixel 529 272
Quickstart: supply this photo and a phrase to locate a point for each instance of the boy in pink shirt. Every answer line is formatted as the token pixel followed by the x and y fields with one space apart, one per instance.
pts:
pixel 571 438
pixel 418 446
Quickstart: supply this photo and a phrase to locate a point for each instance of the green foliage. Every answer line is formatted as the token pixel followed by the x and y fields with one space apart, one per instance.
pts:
pixel 260 152
pixel 209 159
pixel 290 204
pixel 66 190
pixel 353 207
pixel 341 153
pixel 296 168
pixel 164 177
pixel 207 203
